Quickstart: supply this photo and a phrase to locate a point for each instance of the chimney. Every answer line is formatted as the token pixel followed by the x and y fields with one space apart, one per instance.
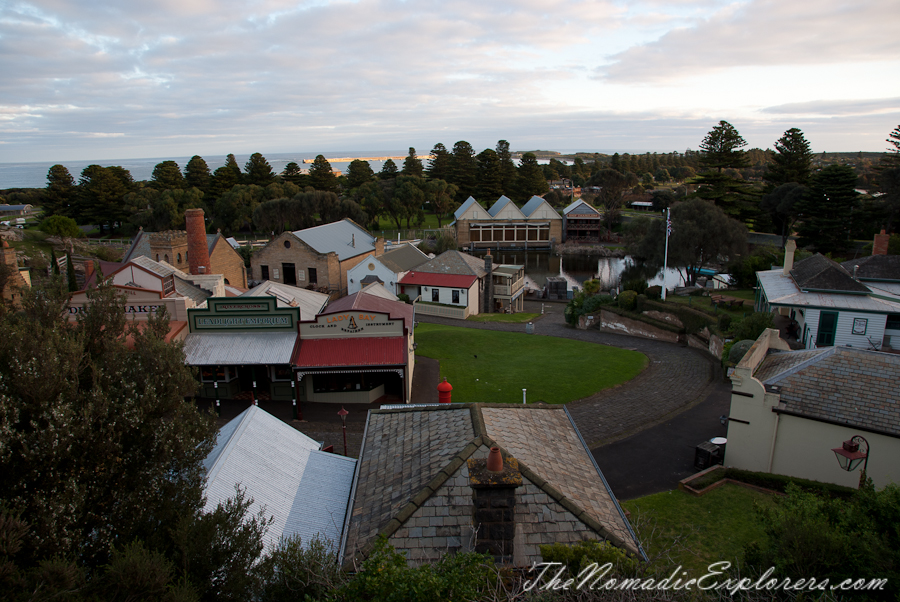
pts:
pixel 880 247
pixel 444 389
pixel 353 240
pixel 789 249
pixel 494 501
pixel 88 269
pixel 198 249
pixel 488 284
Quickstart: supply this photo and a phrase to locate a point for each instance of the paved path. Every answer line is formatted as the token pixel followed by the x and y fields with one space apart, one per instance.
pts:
pixel 677 377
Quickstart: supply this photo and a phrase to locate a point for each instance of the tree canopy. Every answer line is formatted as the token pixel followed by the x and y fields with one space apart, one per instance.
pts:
pixel 718 181
pixel 196 174
pixel 792 160
pixel 830 209
pixel 167 175
pixel 412 165
pixel 258 171
pixel 60 192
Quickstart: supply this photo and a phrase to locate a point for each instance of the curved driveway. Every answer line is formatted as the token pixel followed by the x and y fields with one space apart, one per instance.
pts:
pixel 677 377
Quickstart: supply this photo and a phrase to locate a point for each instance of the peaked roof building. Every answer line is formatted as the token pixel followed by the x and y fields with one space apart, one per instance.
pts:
pixel 422 483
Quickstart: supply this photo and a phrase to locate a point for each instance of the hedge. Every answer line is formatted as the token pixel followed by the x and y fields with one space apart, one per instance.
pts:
pixel 779 482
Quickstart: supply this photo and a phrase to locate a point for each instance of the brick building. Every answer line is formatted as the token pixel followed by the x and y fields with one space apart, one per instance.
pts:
pixel 319 257
pixel 536 225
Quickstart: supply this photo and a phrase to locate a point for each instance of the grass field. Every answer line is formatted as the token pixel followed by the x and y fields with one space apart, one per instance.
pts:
pixel 553 370
pixel 698 531
pixel 519 318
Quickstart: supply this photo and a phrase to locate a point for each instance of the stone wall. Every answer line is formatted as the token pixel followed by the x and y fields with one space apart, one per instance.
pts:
pixel 226 261
pixel 620 324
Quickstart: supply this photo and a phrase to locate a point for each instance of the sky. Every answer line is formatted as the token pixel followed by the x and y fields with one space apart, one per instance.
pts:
pixel 101 79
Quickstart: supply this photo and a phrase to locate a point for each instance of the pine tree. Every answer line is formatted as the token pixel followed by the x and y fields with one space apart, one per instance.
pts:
pixel 791 162
pixel 829 209
pixel 321 175
pixel 60 192
pixel 464 170
pixel 508 171
pixel 490 176
pixel 196 174
pixel 412 165
pixel 167 175
pixel 388 170
pixel 531 177
pixel 439 164
pixel 721 152
pixel 258 171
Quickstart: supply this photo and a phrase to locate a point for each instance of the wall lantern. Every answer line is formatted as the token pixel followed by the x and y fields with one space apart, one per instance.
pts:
pixel 849 455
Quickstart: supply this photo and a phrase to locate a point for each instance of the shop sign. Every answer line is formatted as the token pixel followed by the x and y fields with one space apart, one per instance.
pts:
pixel 253 314
pixel 351 323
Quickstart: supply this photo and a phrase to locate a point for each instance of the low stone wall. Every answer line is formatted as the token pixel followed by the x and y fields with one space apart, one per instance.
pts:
pixel 664 317
pixel 615 323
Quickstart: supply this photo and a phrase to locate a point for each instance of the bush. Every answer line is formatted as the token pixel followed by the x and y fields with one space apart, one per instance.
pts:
pixel 582 554
pixel 627 300
pixel 294 572
pixel 753 325
pixel 654 292
pixel 105 253
pixel 724 322
pixel 63 227
pixel 738 350
pixel 638 285
pixel 403 297
pixel 595 302
pixel 780 482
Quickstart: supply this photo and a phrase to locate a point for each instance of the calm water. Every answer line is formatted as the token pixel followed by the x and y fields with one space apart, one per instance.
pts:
pixel 34 175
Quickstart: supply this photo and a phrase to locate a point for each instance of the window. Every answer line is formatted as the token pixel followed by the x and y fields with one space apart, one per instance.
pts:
pixel 287 244
pixel 475 235
pixel 893 322
pixel 313 276
pixel 435 294
pixel 265 272
pixel 455 295
pixel 179 258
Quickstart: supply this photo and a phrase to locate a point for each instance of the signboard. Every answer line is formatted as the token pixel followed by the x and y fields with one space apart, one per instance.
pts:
pixel 352 324
pixel 138 305
pixel 235 314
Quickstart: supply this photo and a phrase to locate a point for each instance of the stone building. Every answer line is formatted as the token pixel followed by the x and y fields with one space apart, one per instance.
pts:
pixel 536 225
pixel 426 477
pixel 317 257
pixel 191 250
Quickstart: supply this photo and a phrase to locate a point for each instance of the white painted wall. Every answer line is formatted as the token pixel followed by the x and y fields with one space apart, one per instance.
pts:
pixel 362 269
pixel 843 335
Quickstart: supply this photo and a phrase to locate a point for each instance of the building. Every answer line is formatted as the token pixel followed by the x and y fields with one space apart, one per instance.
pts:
pixel 790 409
pixel 829 306
pixel 360 349
pixel 309 302
pixel 453 284
pixel 305 491
pixel 17 279
pixel 317 257
pixel 191 250
pixel 15 209
pixel 424 483
pixel 386 269
pixel 504 226
pixel 582 223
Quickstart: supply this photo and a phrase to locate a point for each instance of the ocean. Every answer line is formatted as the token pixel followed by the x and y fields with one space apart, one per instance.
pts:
pixel 34 175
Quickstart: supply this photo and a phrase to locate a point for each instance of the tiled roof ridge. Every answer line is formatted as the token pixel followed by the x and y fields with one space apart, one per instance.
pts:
pixel 801 366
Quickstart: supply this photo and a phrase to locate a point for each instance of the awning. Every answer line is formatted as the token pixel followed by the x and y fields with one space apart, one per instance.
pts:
pixel 239 348
pixel 353 351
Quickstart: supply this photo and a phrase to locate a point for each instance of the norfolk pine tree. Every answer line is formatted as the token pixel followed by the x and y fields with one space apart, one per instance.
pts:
pixel 722 151
pixel 321 175
pixel 412 165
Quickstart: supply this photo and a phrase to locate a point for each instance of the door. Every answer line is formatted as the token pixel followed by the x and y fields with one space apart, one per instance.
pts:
pixel 827 328
pixel 289 273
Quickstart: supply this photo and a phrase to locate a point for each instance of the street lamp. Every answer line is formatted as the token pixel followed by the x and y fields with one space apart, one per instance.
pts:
pixel 849 455
pixel 343 414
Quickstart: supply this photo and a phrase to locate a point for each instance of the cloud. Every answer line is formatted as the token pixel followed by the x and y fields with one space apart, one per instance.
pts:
pixel 838 108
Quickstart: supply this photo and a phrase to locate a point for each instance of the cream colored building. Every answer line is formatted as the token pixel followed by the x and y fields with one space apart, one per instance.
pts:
pixel 789 409
pixel 536 225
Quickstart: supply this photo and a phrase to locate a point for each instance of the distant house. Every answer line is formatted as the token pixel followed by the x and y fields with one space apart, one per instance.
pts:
pixel 832 307
pixel 790 409
pixel 176 247
pixel 453 279
pixel 424 483
pixel 317 257
pixel 310 303
pixel 582 223
pixel 305 491
pixel 16 209
pixel 387 269
pixel 535 226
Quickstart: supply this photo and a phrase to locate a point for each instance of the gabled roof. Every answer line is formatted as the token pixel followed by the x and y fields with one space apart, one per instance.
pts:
pixel 369 302
pixel 309 302
pixel 403 259
pixel 875 267
pixel 501 203
pixel 344 237
pixel 822 274
pixel 579 206
pixel 409 454
pixel 465 207
pixel 139 246
pixel 783 291
pixel 305 491
pixel 454 262
pixel 374 286
pixel 444 280
pixel 532 205
pixel 359 351
pixel 844 384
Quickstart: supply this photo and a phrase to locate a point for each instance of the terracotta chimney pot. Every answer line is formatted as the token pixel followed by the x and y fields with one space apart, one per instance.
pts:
pixel 495 460
pixel 880 246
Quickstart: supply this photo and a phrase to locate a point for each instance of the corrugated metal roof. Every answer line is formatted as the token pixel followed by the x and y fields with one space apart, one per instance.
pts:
pixel 309 302
pixel 304 490
pixel 502 202
pixel 344 238
pixel 577 203
pixel 782 290
pixel 428 279
pixel 236 348
pixel 403 258
pixel 362 351
pixel 465 207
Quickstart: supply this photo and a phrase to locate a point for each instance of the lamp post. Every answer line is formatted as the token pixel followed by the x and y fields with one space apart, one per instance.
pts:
pixel 849 455
pixel 343 414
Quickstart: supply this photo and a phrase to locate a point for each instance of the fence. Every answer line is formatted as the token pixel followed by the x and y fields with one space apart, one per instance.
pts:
pixel 442 311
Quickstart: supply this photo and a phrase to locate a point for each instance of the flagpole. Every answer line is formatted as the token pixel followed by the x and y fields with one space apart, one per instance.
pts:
pixel 666 255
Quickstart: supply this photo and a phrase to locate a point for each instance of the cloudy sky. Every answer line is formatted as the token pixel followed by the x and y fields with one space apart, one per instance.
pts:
pixel 108 79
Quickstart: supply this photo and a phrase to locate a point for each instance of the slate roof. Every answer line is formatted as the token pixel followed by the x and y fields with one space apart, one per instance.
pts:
pixel 820 273
pixel 403 259
pixel 408 453
pixel 852 386
pixel 454 262
pixel 465 207
pixel 309 302
pixel 344 237
pixel 305 490
pixel 369 302
pixel 875 267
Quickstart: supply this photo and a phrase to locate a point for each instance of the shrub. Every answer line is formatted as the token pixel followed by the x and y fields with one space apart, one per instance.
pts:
pixel 654 292
pixel 738 350
pixel 724 322
pixel 105 253
pixel 753 325
pixel 638 285
pixel 582 554
pixel 293 571
pixel 403 297
pixel 595 302
pixel 64 227
pixel 627 300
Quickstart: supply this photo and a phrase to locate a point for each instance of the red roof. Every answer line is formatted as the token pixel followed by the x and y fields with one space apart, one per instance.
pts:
pixel 362 351
pixel 367 302
pixel 447 280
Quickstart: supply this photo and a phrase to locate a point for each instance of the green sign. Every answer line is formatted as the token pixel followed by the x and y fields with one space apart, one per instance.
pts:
pixel 234 314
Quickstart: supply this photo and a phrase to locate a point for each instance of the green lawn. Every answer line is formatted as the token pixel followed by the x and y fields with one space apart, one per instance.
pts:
pixel 511 318
pixel 705 303
pixel 554 370
pixel 698 531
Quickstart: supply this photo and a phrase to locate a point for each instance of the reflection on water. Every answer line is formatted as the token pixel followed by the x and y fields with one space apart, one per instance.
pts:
pixel 539 265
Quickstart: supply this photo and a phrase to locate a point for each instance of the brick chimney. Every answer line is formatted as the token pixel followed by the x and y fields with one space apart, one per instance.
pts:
pixel 880 247
pixel 88 269
pixel 198 249
pixel 494 500
pixel 789 249
pixel 488 298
